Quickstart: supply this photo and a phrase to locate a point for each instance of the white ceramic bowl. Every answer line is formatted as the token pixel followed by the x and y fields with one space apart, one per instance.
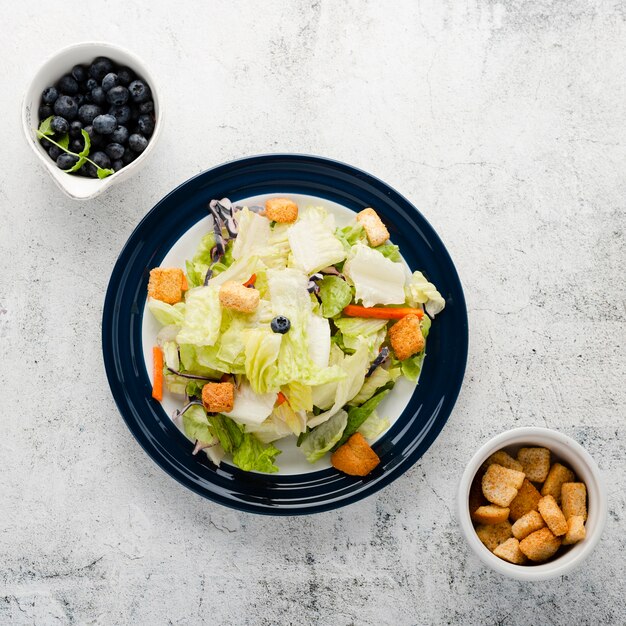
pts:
pixel 79 187
pixel 572 454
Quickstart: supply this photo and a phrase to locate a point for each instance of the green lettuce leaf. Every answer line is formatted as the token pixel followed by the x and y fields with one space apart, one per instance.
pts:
pixel 390 251
pixel 317 442
pixel 262 348
pixel 196 425
pixel 350 235
pixel 203 317
pixel 335 294
pixel 167 313
pixel 200 262
pixel 373 426
pixel 253 455
pixel 358 414
pixel 253 236
pixel 227 431
pixel 425 325
pixel 378 378
pixel 189 358
pixel 412 367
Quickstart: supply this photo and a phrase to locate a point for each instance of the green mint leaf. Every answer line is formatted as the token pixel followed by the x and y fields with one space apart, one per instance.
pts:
pixel 81 161
pixel 104 172
pixel 45 129
pixel 64 142
pixel 85 151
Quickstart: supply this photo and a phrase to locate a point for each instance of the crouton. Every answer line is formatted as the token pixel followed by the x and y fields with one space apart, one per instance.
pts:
pixel 492 535
pixel 535 463
pixel 557 475
pixel 490 514
pixel 575 530
pixel 540 545
pixel 235 296
pixel 500 485
pixel 166 284
pixel 506 460
pixel 526 500
pixel 406 337
pixel 527 524
pixel 476 498
pixel 509 551
pixel 281 210
pixel 574 500
pixel 373 226
pixel 218 397
pixel 355 457
pixel 552 515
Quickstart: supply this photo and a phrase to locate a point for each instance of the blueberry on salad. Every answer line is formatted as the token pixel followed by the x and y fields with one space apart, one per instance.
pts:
pixel 282 325
pixel 84 115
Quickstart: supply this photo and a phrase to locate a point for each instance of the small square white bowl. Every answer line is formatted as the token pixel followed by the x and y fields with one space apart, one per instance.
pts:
pixel 79 187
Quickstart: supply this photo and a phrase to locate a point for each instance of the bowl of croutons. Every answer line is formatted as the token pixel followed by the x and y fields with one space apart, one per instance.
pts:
pixel 532 503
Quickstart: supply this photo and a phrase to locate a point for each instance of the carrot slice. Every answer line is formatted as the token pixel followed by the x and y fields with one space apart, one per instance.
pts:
pixel 381 313
pixel 185 286
pixel 281 398
pixel 250 281
pixel 157 385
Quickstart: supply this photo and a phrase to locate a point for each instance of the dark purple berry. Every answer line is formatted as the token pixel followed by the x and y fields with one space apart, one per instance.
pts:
pixel 139 91
pixel 59 125
pixel 120 135
pixel 68 85
pixel 65 161
pixel 54 152
pixel 100 68
pixel 146 107
pixel 65 106
pixel 145 124
pixel 44 112
pixel 88 112
pixel 129 157
pixel 91 83
pixel 137 142
pixel 121 113
pixel 75 128
pixel 49 95
pixel 115 151
pixel 98 95
pixel 117 95
pixel 76 145
pixel 105 124
pixel 80 99
pixel 79 73
pixel 109 81
pixel 117 165
pixel 101 159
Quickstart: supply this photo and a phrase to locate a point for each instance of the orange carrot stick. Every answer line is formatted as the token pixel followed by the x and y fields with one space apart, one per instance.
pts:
pixel 281 398
pixel 250 281
pixel 381 313
pixel 157 385
pixel 185 286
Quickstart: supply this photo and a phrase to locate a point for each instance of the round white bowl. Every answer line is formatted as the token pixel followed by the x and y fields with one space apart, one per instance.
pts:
pixel 79 187
pixel 571 454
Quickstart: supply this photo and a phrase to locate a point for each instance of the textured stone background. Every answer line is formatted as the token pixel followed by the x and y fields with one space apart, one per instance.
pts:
pixel 502 121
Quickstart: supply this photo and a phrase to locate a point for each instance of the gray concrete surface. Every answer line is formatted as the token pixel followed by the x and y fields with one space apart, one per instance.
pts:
pixel 502 121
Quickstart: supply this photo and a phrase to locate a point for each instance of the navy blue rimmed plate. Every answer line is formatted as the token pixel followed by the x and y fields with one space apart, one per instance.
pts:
pixel 411 435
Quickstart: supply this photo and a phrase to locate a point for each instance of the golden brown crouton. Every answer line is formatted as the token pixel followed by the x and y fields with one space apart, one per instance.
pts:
pixel 166 284
pixel 574 500
pixel 281 210
pixel 218 397
pixel 406 337
pixel 527 499
pixel 527 524
pixel 373 226
pixel 540 545
pixel 490 514
pixel 575 530
pixel 557 475
pixel 535 463
pixel 506 460
pixel 552 515
pixel 476 498
pixel 500 485
pixel 235 296
pixel 355 457
pixel 509 551
pixel 492 535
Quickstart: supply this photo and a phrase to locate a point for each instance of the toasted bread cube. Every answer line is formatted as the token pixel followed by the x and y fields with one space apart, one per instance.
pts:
pixel 526 500
pixel 527 524
pixel 373 226
pixel 509 551
pixel 218 397
pixel 557 475
pixel 406 337
pixel 235 296
pixel 535 463
pixel 552 515
pixel 540 545
pixel 282 210
pixel 476 498
pixel 166 284
pixel 490 514
pixel 492 535
pixel 355 457
pixel 500 485
pixel 575 530
pixel 506 460
pixel 574 500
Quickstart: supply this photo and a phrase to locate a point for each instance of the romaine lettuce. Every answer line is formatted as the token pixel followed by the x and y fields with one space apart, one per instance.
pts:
pixel 203 316
pixel 316 443
pixel 196 425
pixel 167 314
pixel 420 291
pixel 253 236
pixel 251 407
pixel 358 414
pixel 335 294
pixel 373 426
pixel 252 455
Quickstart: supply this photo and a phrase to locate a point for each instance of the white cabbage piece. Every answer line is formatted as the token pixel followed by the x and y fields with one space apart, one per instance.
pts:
pixel 420 291
pixel 251 407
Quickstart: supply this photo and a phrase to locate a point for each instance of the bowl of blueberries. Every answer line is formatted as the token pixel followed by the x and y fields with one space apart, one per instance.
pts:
pixel 92 115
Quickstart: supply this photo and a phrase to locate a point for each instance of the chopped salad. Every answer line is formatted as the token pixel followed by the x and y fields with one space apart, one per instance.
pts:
pixel 283 324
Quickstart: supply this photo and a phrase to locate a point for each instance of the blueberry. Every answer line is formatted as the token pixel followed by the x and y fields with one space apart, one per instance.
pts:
pixel 88 112
pixel 139 91
pixel 54 152
pixel 117 165
pixel 129 157
pixel 109 81
pixel 101 159
pixel 76 145
pixel 80 99
pixel 60 125
pixel 90 170
pixel 68 85
pixel 120 135
pixel 146 107
pixel 137 142
pixel 125 75
pixel 92 83
pixel 121 113
pixel 66 107
pixel 117 95
pixel 44 112
pixel 280 324
pixel 100 68
pixel 79 73
pixel 105 124
pixel 65 161
pixel 75 128
pixel 115 151
pixel 145 124
pixel 49 95
pixel 98 95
